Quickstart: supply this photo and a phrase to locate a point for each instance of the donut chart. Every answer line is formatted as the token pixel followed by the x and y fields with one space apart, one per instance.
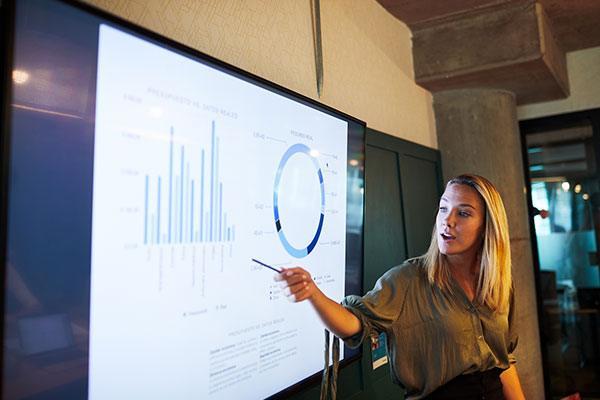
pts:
pixel 301 252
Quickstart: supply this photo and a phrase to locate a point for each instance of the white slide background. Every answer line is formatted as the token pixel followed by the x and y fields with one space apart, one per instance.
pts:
pixel 175 313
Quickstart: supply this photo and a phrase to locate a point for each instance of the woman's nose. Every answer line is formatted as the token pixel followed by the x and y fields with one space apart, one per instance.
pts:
pixel 449 219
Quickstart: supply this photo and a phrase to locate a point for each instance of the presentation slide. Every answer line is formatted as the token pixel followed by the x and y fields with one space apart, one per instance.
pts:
pixel 197 173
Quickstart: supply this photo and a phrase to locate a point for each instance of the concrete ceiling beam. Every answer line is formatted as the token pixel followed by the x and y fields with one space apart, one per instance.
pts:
pixel 510 46
pixel 576 22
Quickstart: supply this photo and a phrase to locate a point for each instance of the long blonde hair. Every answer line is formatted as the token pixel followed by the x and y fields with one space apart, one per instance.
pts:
pixel 494 282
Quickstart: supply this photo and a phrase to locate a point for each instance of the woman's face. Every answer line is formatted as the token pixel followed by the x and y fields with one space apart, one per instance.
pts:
pixel 460 220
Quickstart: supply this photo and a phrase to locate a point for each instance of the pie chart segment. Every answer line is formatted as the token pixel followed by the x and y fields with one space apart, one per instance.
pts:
pixel 299 200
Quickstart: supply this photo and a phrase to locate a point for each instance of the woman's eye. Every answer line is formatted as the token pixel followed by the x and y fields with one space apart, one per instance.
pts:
pixel 464 214
pixel 443 208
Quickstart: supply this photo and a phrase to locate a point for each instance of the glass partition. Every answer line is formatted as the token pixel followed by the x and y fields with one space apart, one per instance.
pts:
pixel 565 198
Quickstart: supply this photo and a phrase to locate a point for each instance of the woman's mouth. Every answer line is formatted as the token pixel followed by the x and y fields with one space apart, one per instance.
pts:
pixel 447 237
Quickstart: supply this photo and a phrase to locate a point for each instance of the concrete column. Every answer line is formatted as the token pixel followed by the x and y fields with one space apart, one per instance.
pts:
pixel 478 133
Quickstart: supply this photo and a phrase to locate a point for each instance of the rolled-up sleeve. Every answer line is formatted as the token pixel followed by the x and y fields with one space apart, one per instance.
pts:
pixel 378 309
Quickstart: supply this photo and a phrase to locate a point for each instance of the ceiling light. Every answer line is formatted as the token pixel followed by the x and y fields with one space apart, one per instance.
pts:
pixel 20 77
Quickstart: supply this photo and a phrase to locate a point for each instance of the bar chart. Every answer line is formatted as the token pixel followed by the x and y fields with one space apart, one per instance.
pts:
pixel 185 205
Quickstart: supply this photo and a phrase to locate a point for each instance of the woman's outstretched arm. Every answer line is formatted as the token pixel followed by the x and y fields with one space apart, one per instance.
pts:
pixel 336 318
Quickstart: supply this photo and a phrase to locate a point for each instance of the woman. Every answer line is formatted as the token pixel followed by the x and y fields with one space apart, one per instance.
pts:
pixel 447 314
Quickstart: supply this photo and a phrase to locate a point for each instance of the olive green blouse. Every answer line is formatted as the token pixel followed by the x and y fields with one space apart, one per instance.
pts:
pixel 433 335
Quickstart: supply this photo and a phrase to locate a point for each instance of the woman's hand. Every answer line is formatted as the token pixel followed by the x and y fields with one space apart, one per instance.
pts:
pixel 299 284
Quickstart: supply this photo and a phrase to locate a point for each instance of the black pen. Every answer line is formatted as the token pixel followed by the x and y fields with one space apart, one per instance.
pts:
pixel 266 265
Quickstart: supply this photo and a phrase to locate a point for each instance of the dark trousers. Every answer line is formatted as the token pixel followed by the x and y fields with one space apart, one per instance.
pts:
pixel 476 386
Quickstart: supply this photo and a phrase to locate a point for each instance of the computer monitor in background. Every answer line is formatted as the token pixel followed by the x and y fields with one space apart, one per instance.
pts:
pixel 588 297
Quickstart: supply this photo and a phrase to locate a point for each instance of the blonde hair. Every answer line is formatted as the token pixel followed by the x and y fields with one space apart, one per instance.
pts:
pixel 494 282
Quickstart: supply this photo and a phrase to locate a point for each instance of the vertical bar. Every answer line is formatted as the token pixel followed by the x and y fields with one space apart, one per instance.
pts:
pixel 176 209
pixel 201 229
pixel 207 233
pixel 217 215
pixel 216 194
pixel 181 199
pixel 187 193
pixel 192 214
pixel 212 178
pixel 146 214
pixel 158 213
pixel 228 234
pixel 233 233
pixel 152 229
pixel 170 179
pixel 225 227
pixel 220 209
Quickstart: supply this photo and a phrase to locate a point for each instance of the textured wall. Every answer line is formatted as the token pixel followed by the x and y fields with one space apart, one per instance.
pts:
pixel 367 53
pixel 583 67
pixel 478 133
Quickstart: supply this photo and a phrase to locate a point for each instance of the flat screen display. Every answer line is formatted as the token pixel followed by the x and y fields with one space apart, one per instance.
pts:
pixel 148 186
